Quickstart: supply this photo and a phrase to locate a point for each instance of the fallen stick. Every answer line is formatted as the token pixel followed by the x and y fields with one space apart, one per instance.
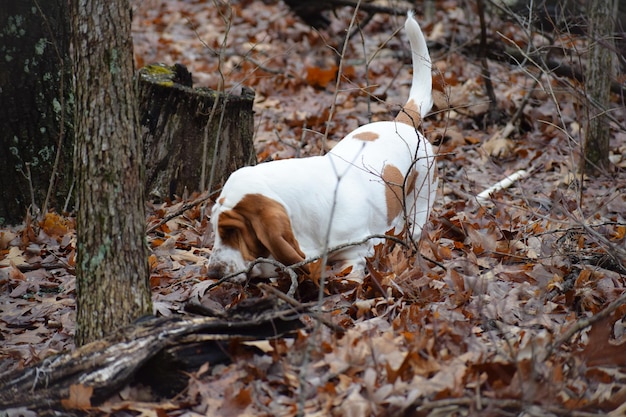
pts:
pixel 483 197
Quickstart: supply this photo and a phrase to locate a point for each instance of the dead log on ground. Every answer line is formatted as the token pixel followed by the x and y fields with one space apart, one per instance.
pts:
pixel 155 351
pixel 313 11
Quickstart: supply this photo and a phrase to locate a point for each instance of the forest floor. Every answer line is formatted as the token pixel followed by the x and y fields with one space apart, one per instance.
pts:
pixel 515 304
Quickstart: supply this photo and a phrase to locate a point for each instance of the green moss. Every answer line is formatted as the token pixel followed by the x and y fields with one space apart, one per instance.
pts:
pixel 46 153
pixel 156 70
pixel 93 263
pixel 114 64
pixel 10 29
pixel 13 27
pixel 159 74
pixel 56 105
pixel 40 46
pixel 18 20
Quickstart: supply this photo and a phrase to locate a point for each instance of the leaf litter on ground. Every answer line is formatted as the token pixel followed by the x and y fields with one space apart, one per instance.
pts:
pixel 468 325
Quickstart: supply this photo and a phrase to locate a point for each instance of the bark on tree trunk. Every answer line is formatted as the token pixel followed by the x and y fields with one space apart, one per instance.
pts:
pixel 111 267
pixel 193 138
pixel 598 84
pixel 35 111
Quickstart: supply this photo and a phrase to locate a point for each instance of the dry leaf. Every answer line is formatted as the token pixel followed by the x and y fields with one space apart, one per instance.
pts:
pixel 6 236
pixel 15 257
pixel 56 225
pixel 499 147
pixel 319 77
pixel 80 398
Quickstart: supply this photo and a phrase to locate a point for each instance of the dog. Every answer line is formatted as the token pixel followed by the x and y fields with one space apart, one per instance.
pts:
pixel 381 177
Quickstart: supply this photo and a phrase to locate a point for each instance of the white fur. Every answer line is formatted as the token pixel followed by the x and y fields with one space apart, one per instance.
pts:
pixel 340 197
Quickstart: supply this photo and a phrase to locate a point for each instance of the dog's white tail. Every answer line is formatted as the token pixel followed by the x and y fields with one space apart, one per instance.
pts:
pixel 422 87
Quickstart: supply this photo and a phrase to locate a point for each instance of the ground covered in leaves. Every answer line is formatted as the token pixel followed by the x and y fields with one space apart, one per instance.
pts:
pixel 512 306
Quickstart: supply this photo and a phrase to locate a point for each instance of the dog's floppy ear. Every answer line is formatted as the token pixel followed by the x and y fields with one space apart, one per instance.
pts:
pixel 236 232
pixel 272 227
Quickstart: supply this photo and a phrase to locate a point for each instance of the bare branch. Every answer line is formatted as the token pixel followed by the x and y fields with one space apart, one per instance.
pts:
pixel 582 324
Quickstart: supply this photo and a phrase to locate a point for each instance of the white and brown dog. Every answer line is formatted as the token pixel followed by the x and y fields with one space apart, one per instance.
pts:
pixel 380 177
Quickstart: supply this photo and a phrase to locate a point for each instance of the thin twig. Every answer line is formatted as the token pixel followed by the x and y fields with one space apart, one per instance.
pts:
pixel 290 270
pixel 295 266
pixel 486 74
pixel 34 211
pixel 499 403
pixel 220 89
pixel 583 323
pixel 57 157
pixel 333 105
pixel 178 212
pixel 298 305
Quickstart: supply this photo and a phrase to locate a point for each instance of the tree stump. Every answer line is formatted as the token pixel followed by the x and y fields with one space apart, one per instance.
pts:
pixel 193 138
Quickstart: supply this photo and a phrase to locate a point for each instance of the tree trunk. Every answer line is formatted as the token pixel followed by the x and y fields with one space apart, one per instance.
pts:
pixel 598 84
pixel 193 138
pixel 35 112
pixel 112 262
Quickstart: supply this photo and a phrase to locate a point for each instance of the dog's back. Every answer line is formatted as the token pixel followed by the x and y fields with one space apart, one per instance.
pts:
pixel 379 177
pixel 394 153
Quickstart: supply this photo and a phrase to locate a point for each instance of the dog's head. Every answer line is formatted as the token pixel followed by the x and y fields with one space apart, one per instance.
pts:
pixel 255 227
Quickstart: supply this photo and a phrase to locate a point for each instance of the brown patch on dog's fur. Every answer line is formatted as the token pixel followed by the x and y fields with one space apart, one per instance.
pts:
pixel 366 136
pixel 393 192
pixel 410 115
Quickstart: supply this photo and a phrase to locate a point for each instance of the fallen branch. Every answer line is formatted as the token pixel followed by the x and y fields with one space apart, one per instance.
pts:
pixel 512 407
pixel 295 303
pixel 583 323
pixel 483 197
pixel 311 10
pixel 157 351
